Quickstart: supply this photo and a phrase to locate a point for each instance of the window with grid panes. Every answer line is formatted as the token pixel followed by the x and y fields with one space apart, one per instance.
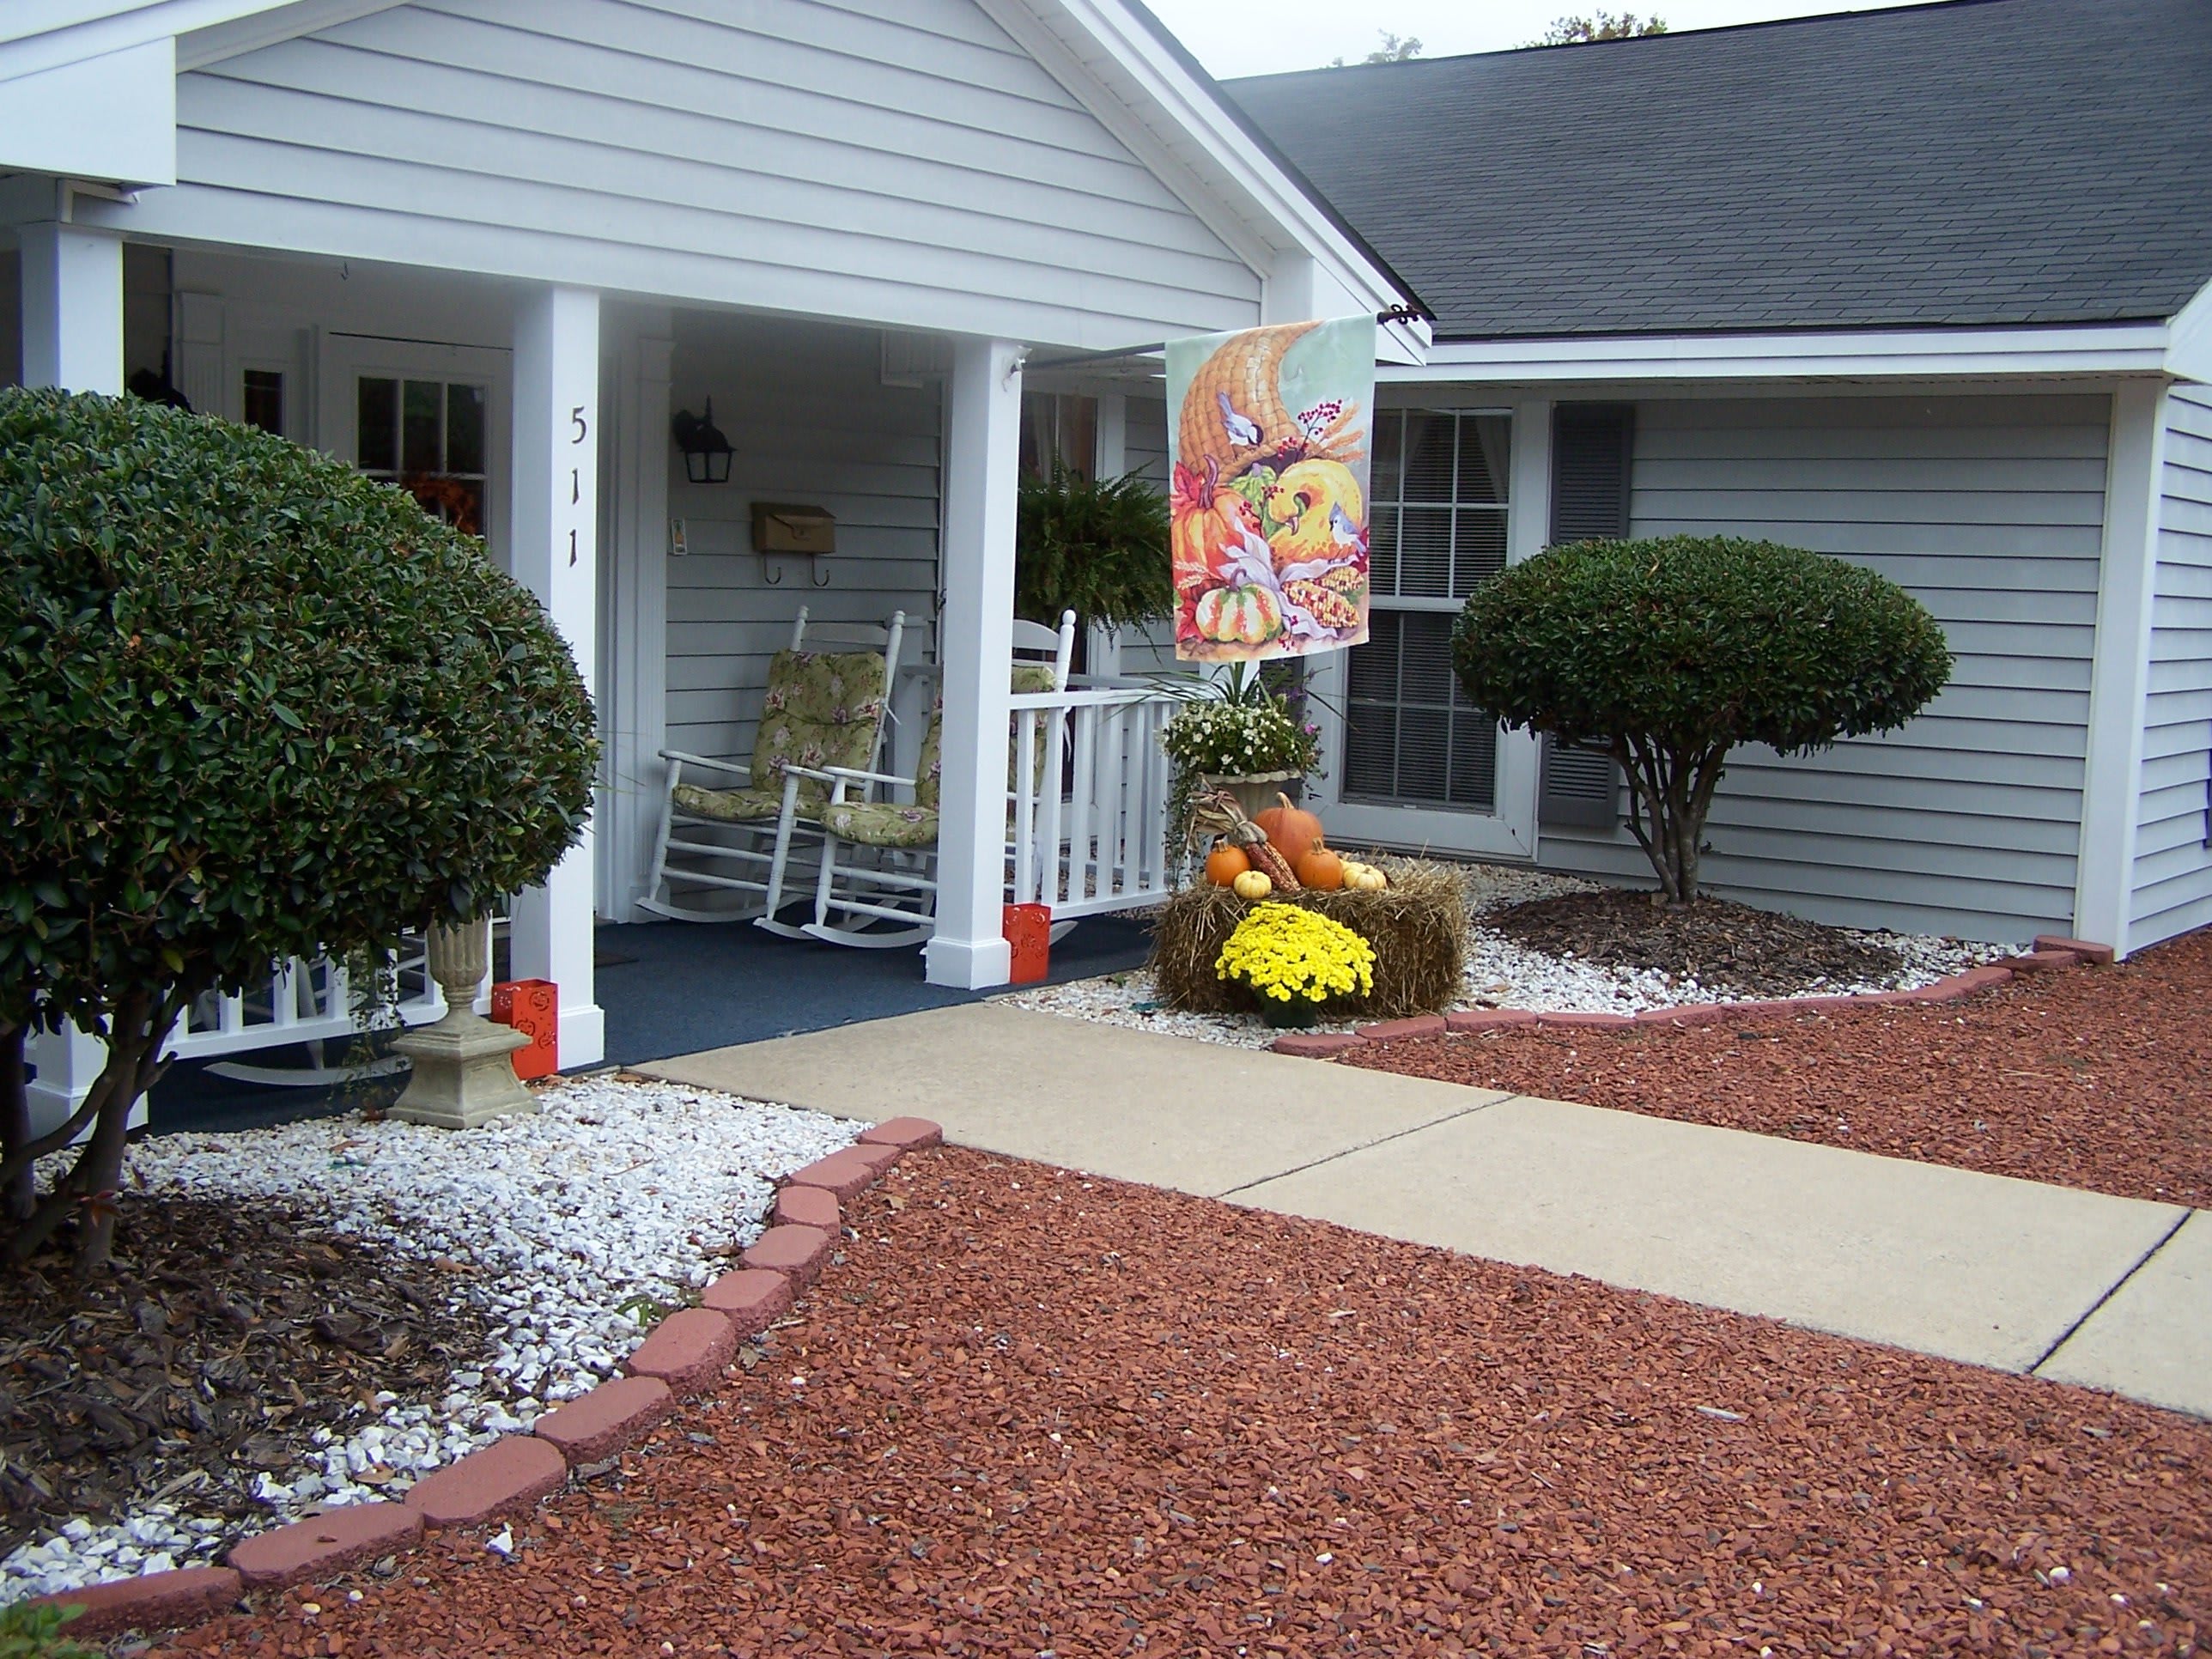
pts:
pixel 1436 512
pixel 426 437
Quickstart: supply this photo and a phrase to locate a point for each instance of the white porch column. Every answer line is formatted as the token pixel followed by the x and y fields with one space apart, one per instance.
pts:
pixel 2119 673
pixel 72 287
pixel 634 723
pixel 556 517
pixel 976 643
pixel 72 307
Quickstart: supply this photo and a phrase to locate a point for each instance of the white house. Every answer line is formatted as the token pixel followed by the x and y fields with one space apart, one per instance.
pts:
pixel 496 243
pixel 1925 287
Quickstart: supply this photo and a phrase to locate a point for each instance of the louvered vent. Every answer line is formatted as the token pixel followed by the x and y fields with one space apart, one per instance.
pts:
pixel 1591 448
pixel 1591 444
pixel 1581 785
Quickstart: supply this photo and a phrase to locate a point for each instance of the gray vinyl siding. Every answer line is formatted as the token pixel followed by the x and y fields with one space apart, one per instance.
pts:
pixel 904 163
pixel 1990 510
pixel 813 424
pixel 2172 877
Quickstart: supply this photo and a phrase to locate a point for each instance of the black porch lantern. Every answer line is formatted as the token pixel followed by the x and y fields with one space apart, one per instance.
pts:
pixel 705 452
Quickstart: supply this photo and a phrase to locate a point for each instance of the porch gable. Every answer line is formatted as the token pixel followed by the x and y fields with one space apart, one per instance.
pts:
pixel 908 165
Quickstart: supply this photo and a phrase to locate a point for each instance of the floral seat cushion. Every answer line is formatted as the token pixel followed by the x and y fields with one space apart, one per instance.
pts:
pixel 736 805
pixel 881 823
pixel 823 708
pixel 1028 678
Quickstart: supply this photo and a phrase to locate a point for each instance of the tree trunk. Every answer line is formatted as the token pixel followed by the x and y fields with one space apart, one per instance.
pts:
pixel 1670 794
pixel 19 1194
pixel 137 1030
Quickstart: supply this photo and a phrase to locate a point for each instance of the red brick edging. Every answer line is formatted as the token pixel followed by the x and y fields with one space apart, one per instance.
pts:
pixel 685 1354
pixel 2049 952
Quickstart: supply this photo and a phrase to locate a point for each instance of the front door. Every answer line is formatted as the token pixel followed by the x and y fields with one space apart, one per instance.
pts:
pixel 429 418
pixel 1408 761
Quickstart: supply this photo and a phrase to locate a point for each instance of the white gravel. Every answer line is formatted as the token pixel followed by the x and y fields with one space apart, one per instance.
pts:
pixel 570 1228
pixel 1500 974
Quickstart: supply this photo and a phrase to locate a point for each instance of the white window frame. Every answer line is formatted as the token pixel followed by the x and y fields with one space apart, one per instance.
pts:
pixel 1509 830
pixel 344 359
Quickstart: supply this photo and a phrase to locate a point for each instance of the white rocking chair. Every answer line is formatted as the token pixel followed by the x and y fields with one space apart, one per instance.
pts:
pixel 734 827
pixel 876 886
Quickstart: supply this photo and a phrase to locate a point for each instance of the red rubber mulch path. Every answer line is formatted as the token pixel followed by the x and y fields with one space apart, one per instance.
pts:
pixel 1040 1414
pixel 2088 1077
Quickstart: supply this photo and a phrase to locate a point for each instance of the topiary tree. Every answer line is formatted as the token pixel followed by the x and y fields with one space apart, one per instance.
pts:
pixel 1673 652
pixel 257 706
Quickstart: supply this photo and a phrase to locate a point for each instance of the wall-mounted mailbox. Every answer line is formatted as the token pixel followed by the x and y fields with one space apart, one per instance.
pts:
pixel 807 531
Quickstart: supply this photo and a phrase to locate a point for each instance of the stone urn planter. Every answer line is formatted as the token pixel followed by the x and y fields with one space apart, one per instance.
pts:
pixel 1255 793
pixel 464 1071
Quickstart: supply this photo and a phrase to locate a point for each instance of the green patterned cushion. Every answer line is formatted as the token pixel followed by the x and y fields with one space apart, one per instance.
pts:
pixel 1028 679
pixel 739 805
pixel 823 708
pixel 880 824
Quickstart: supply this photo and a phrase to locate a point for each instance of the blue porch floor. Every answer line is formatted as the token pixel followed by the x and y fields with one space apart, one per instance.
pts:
pixel 672 988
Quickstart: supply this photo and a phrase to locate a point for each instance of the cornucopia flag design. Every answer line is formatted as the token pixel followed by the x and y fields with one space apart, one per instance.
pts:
pixel 1268 458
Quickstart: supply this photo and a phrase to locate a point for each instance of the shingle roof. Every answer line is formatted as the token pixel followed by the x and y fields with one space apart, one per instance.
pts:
pixel 1977 162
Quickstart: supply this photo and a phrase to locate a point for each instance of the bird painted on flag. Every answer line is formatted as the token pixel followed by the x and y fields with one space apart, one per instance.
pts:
pixel 1241 429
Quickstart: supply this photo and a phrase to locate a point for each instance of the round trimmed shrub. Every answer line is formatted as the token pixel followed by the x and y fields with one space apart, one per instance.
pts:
pixel 1671 652
pixel 257 706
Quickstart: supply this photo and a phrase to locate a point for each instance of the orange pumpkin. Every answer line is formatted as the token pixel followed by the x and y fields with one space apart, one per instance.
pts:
pixel 1209 524
pixel 1290 829
pixel 1320 869
pixel 1224 864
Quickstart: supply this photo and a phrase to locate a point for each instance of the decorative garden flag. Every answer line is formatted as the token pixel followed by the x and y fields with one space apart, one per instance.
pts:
pixel 1268 455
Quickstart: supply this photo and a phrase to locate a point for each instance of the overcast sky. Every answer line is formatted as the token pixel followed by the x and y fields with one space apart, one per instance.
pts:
pixel 1239 37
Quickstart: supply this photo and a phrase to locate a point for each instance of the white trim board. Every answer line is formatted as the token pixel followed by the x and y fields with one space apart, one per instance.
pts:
pixel 2106 349
pixel 2120 672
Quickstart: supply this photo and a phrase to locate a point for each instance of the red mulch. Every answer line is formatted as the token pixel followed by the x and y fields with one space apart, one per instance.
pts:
pixel 1043 1414
pixel 2088 1077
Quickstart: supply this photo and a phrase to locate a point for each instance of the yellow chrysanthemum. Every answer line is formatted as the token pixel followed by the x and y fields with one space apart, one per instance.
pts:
pixel 1285 951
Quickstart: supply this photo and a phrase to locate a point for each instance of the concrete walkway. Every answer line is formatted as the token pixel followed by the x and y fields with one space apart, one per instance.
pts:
pixel 2112 1292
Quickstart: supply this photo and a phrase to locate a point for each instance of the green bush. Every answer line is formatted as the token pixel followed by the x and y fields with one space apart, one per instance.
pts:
pixel 1099 549
pixel 258 705
pixel 34 1632
pixel 1672 651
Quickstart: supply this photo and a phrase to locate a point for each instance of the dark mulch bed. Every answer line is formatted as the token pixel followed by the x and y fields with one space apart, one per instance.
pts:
pixel 2092 1077
pixel 1035 1414
pixel 1729 949
pixel 218 1339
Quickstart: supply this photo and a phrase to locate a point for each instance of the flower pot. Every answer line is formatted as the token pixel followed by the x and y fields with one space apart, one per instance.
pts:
pixel 1256 792
pixel 1292 1016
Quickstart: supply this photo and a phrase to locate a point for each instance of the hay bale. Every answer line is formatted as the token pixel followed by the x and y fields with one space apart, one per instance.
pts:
pixel 1418 926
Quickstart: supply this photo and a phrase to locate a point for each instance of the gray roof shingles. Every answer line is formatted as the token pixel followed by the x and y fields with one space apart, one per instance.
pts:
pixel 1981 163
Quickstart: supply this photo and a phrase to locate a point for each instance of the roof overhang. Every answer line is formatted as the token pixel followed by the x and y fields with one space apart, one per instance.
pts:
pixel 2181 349
pixel 1111 54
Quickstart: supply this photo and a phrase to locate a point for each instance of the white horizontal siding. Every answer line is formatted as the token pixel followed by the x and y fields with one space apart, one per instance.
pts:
pixel 2172 876
pixel 908 164
pixel 1990 510
pixel 813 423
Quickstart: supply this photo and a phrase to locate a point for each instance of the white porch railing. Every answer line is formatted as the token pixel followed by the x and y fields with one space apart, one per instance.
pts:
pixel 302 1002
pixel 1090 822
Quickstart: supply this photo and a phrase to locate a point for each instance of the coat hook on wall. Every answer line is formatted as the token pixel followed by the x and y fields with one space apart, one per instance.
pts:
pixel 821 578
pixel 770 573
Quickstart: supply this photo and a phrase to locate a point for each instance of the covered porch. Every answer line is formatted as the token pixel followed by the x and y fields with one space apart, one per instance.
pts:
pixel 542 419
pixel 491 254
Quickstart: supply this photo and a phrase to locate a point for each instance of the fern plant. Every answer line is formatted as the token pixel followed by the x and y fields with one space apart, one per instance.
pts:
pixel 1097 548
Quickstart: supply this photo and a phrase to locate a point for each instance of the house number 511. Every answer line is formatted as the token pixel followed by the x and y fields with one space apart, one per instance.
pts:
pixel 582 430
